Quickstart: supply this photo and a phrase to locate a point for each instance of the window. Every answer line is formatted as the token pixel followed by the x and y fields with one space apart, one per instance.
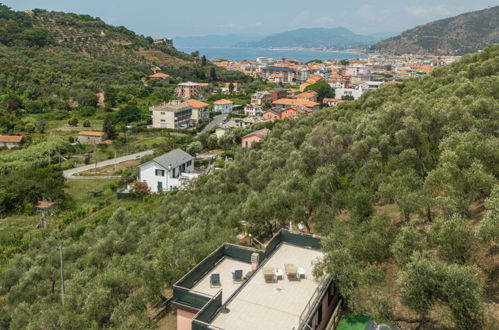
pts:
pixel 162 113
pixel 319 315
pixel 330 295
pixel 246 143
pixel 162 120
pixel 189 163
pixel 160 172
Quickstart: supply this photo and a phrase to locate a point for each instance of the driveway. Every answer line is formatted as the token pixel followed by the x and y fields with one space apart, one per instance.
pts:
pixel 71 174
pixel 217 120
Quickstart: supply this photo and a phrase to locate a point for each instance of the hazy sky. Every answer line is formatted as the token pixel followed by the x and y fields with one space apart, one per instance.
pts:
pixel 200 17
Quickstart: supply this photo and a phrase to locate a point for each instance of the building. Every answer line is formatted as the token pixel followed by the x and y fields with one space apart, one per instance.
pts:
pixel 272 114
pixel 226 88
pixel 353 92
pixel 10 141
pixel 188 90
pixel 200 110
pixel 261 98
pixel 223 106
pixel 278 93
pixel 159 76
pixel 256 136
pixel 332 102
pixel 286 103
pixel 91 137
pixel 171 116
pixel 166 172
pixel 288 74
pixel 253 110
pixel 243 288
pixel 307 96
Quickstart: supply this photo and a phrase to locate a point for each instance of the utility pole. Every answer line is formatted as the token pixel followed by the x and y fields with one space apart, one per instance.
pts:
pixel 61 258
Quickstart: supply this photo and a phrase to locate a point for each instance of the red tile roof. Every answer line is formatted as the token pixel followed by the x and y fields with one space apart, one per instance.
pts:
pixel 10 138
pixel 222 102
pixel 92 133
pixel 196 104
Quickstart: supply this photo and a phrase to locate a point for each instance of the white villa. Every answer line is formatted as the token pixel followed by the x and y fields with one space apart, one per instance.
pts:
pixel 171 170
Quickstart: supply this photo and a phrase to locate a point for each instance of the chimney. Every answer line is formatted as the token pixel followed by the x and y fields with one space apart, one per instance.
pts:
pixel 255 260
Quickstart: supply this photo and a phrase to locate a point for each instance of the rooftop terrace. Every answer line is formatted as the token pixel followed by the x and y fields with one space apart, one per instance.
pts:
pixel 277 305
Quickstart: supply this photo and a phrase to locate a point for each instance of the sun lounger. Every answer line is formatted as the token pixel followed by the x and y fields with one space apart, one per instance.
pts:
pixel 215 280
pixel 237 276
pixel 291 271
pixel 269 274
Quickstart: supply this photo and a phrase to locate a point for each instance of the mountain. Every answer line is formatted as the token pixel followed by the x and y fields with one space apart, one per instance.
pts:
pixel 403 182
pixel 333 38
pixel 213 40
pixel 466 33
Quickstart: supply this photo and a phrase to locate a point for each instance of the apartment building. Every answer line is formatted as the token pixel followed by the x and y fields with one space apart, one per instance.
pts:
pixel 243 288
pixel 171 116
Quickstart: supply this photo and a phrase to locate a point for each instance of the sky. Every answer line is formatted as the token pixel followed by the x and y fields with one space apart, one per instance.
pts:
pixel 175 18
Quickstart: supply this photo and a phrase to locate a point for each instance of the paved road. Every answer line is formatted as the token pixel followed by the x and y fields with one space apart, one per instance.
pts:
pixel 217 120
pixel 70 174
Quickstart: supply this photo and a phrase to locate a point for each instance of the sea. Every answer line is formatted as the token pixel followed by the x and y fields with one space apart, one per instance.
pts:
pixel 239 54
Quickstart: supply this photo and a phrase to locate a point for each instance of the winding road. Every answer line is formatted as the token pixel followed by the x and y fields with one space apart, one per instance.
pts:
pixel 72 174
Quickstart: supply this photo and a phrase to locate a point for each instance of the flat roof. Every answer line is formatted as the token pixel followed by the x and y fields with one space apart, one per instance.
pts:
pixel 273 306
pixel 225 267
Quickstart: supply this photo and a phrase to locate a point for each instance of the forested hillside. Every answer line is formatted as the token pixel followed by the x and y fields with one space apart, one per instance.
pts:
pixel 459 35
pixel 52 61
pixel 403 183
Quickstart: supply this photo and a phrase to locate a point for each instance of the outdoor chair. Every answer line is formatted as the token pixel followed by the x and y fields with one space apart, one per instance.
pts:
pixel 215 280
pixel 269 274
pixel 237 276
pixel 291 271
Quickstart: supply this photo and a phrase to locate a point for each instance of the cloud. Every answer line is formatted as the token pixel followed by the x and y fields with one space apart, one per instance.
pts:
pixel 429 11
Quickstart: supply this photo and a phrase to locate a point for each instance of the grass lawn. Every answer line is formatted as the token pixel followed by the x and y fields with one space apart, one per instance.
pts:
pixel 353 322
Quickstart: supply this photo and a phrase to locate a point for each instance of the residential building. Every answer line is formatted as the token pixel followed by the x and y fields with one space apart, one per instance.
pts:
pixel 200 110
pixel 261 98
pixel 159 76
pixel 91 137
pixel 285 103
pixel 307 96
pixel 256 136
pixel 226 88
pixel 166 172
pixel 292 92
pixel 372 85
pixel 188 90
pixel 253 110
pixel 331 102
pixel 288 74
pixel 354 92
pixel 223 106
pixel 272 114
pixel 278 93
pixel 275 288
pixel 10 141
pixel 171 116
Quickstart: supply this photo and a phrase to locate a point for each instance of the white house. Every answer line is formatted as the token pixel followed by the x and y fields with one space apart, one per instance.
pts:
pixel 354 92
pixel 168 171
pixel 223 106
pixel 10 141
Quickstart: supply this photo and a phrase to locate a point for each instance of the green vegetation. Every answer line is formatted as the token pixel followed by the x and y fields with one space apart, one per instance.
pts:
pixel 477 29
pixel 393 182
pixel 322 88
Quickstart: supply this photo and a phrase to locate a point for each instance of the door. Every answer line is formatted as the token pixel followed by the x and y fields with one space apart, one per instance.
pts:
pixel 160 186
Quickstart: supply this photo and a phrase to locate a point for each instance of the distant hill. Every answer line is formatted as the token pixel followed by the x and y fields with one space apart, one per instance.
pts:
pixel 76 54
pixel 459 35
pixel 333 38
pixel 213 40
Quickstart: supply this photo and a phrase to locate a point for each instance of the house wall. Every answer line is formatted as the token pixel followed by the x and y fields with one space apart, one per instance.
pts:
pixel 248 141
pixel 223 108
pixel 163 119
pixel 148 175
pixel 327 308
pixel 184 319
pixel 9 144
pixel 270 116
pixel 83 139
pixel 199 114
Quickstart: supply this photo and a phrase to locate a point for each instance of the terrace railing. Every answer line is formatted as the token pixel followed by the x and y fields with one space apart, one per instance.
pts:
pixel 313 302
